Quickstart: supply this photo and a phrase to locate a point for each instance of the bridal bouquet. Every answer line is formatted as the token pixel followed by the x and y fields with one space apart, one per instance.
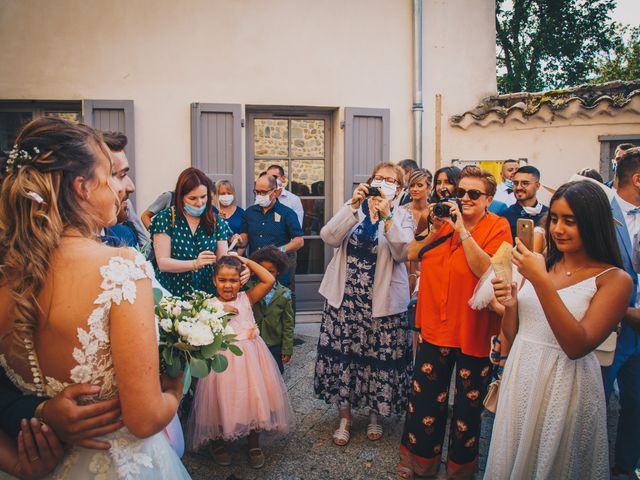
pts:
pixel 193 331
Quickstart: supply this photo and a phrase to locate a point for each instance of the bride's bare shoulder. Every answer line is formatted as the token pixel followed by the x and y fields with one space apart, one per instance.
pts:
pixel 90 255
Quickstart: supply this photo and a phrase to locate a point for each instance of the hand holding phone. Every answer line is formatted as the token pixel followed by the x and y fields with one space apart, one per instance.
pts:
pixel 524 232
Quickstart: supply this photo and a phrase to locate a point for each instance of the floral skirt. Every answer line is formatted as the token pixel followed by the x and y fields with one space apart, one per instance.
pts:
pixel 363 361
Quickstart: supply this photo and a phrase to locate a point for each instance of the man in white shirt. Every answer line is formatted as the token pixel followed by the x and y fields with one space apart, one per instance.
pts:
pixel 284 196
pixel 504 191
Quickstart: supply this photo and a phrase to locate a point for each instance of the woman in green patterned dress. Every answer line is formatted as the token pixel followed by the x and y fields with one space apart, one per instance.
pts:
pixel 189 237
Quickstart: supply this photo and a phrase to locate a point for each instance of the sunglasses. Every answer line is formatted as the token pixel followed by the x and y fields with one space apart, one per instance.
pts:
pixel 473 194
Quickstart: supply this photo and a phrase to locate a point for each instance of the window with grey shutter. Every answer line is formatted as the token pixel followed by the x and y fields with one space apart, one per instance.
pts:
pixel 366 142
pixel 113 116
pixel 215 141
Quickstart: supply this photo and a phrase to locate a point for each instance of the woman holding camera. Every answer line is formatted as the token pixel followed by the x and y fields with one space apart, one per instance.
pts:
pixel 453 254
pixel 364 359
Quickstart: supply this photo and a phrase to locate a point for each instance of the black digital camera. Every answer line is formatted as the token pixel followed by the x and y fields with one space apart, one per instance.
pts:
pixel 441 209
pixel 374 192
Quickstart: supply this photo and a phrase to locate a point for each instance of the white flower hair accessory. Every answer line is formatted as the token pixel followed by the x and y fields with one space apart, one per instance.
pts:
pixel 18 158
pixel 35 196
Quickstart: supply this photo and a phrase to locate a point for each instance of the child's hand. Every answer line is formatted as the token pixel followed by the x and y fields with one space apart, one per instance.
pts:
pixel 285 358
pixel 245 275
pixel 230 308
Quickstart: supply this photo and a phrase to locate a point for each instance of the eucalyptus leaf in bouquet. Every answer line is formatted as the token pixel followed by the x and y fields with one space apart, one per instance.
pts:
pixel 193 332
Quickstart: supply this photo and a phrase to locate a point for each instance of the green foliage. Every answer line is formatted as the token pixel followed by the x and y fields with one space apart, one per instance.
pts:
pixel 546 44
pixel 623 61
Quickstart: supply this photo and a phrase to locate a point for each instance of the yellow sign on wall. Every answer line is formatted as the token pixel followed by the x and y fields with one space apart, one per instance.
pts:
pixel 493 166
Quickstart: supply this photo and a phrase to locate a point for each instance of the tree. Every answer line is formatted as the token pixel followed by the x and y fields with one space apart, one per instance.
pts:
pixel 623 61
pixel 550 43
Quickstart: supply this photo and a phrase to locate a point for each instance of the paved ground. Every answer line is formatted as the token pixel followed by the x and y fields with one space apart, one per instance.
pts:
pixel 308 453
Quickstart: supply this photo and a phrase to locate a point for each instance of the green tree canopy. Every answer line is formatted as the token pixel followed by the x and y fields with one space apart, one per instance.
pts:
pixel 550 43
pixel 623 61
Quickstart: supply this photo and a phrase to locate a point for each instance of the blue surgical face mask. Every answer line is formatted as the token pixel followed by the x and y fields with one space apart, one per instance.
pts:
pixel 508 184
pixel 193 211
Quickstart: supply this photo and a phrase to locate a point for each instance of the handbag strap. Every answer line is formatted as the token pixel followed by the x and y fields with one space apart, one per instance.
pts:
pixel 434 244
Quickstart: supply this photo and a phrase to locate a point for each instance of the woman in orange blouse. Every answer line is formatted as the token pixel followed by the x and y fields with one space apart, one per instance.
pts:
pixel 458 252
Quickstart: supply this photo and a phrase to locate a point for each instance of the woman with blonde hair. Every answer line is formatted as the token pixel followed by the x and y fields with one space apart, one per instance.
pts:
pixel 75 311
pixel 364 358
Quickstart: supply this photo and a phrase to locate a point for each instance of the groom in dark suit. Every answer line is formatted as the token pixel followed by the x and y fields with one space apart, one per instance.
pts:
pixel 625 206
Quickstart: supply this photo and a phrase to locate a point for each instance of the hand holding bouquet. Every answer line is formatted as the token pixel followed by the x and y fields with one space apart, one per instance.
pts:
pixel 193 330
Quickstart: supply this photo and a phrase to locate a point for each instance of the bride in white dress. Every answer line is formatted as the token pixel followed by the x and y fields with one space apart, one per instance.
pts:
pixel 75 311
pixel 551 415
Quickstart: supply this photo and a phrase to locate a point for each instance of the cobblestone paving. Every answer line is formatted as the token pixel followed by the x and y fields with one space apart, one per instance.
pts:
pixel 308 453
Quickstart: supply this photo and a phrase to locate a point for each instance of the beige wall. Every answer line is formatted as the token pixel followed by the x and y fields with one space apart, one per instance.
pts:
pixel 558 148
pixel 164 55
pixel 459 64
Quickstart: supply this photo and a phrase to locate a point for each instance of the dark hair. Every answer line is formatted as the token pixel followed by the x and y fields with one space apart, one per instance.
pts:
pixel 188 180
pixel 530 169
pixel 591 173
pixel 53 153
pixel 408 165
pixel 628 165
pixel 453 177
pixel 273 183
pixel 280 169
pixel 509 160
pixel 592 212
pixel 116 141
pixel 473 171
pixel 625 146
pixel 228 261
pixel 272 254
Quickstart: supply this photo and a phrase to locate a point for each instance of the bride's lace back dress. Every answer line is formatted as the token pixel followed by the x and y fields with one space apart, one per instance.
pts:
pixel 129 457
pixel 551 415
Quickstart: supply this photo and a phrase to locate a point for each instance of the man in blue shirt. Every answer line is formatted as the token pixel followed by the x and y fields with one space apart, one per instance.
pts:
pixel 625 368
pixel 269 222
pixel 526 183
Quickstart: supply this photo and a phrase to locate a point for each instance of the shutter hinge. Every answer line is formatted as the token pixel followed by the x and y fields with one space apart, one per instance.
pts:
pixel 242 122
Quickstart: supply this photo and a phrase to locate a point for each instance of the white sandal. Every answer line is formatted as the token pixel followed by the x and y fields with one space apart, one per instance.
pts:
pixel 341 436
pixel 374 429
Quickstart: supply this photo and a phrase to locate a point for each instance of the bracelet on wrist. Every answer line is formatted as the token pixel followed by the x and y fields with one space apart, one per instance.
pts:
pixel 194 265
pixel 283 249
pixel 388 217
pixel 464 236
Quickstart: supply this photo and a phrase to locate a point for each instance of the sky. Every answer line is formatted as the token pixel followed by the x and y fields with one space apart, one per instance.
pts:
pixel 627 11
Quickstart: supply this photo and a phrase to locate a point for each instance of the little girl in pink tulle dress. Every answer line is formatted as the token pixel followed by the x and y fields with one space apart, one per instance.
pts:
pixel 250 395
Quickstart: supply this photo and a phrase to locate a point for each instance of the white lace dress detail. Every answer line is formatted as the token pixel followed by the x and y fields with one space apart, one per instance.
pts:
pixel 129 458
pixel 551 415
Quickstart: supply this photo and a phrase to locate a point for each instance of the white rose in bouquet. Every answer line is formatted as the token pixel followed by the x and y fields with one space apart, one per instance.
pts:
pixel 200 335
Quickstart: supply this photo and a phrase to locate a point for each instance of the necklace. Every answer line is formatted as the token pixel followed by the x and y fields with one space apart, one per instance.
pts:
pixel 568 273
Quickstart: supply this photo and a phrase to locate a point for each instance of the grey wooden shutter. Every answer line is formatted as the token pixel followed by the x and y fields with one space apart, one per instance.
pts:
pixel 114 116
pixel 215 141
pixel 366 143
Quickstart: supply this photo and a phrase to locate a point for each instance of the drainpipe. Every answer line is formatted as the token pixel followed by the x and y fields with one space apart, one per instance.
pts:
pixel 417 107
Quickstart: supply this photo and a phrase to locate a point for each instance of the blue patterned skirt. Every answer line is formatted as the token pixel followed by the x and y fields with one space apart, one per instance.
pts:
pixel 363 361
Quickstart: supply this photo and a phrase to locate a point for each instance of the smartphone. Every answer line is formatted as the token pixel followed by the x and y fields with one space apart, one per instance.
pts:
pixel 524 232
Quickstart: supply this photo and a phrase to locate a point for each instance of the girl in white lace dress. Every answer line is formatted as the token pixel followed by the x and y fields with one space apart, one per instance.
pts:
pixel 75 311
pixel 551 414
